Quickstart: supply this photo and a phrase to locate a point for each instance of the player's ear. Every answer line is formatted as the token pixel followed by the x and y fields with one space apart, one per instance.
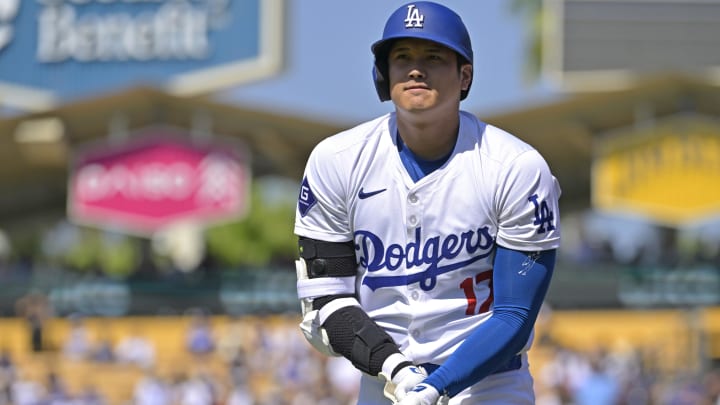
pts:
pixel 466 74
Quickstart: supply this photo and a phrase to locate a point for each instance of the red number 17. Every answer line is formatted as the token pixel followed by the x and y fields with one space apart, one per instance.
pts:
pixel 468 287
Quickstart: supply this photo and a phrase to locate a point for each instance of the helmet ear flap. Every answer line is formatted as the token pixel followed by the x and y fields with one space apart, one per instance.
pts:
pixel 382 86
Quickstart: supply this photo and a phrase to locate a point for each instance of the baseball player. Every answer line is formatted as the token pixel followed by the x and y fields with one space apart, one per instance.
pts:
pixel 427 237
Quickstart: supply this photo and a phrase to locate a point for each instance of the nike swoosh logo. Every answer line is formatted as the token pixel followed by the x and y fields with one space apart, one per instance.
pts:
pixel 363 195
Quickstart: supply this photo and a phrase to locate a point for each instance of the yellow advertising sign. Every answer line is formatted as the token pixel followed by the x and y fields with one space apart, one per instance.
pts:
pixel 669 173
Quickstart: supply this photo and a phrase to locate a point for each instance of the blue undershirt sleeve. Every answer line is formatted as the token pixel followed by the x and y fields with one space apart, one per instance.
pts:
pixel 520 282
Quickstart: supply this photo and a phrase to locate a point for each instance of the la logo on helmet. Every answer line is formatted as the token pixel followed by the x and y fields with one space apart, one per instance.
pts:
pixel 414 19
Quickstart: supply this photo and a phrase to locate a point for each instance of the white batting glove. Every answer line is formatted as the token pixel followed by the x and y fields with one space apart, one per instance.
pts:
pixel 423 394
pixel 406 379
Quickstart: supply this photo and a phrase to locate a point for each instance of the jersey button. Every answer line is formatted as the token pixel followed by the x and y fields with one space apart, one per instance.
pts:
pixel 413 220
pixel 415 295
pixel 413 198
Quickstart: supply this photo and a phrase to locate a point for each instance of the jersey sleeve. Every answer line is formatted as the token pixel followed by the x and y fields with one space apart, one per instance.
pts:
pixel 321 211
pixel 527 203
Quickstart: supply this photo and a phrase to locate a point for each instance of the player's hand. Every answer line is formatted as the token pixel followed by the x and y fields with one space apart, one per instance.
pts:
pixel 423 394
pixel 406 379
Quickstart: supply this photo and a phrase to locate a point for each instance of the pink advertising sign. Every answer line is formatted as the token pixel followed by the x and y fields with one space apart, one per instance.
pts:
pixel 158 177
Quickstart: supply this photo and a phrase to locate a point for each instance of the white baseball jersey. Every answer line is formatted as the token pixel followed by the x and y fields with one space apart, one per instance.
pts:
pixel 425 248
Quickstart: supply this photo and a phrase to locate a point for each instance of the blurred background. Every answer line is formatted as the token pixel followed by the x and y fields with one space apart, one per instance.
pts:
pixel 150 159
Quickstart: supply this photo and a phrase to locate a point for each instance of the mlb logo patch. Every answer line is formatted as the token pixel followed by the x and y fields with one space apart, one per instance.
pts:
pixel 306 199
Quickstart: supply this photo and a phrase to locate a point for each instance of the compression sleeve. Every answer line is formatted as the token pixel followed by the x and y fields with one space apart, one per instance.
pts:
pixel 520 282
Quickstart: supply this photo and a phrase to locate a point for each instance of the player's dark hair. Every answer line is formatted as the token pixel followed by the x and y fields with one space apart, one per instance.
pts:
pixel 461 61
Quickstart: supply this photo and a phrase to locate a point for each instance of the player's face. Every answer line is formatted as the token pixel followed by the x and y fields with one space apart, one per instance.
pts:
pixel 424 75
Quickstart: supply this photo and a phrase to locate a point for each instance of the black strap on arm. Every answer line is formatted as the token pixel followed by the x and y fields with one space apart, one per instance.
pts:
pixel 328 259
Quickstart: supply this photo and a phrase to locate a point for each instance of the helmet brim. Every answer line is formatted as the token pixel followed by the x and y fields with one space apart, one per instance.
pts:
pixel 382 47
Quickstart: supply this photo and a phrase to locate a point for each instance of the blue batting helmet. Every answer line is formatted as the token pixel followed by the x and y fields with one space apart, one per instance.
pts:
pixel 423 20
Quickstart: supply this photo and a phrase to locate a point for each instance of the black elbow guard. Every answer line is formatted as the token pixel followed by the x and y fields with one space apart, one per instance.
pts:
pixel 359 339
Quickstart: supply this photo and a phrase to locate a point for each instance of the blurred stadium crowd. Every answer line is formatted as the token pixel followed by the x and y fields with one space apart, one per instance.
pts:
pixel 197 359
pixel 614 377
pixel 187 360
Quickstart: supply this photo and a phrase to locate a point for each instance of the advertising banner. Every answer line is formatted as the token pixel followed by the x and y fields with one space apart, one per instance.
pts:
pixel 159 177
pixel 57 50
pixel 668 172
